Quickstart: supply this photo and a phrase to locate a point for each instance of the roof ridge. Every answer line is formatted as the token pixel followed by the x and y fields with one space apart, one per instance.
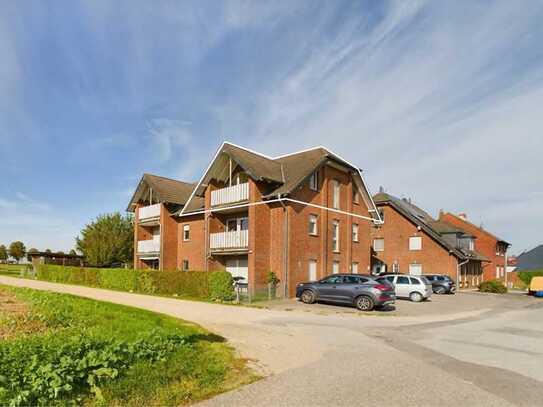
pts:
pixel 477 227
pixel 300 152
pixel 169 179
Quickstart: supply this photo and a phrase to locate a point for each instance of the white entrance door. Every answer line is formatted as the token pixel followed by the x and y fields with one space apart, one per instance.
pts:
pixel 238 268
pixel 415 269
pixel 312 270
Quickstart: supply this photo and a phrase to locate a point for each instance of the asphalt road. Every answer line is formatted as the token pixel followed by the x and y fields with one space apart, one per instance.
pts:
pixel 488 356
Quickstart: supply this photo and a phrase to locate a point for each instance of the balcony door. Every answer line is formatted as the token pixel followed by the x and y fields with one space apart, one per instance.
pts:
pixel 237 224
pixel 238 268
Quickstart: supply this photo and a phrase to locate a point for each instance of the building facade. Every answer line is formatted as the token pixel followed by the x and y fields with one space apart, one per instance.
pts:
pixel 301 216
pixel 492 247
pixel 410 241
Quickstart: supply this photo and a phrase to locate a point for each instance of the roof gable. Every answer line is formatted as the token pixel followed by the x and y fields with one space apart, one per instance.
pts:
pixel 473 226
pixel 164 189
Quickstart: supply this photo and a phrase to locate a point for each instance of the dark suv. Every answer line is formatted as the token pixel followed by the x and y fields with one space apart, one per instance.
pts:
pixel 359 290
pixel 441 284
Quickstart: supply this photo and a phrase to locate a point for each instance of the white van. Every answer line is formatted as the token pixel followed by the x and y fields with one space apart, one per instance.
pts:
pixel 416 288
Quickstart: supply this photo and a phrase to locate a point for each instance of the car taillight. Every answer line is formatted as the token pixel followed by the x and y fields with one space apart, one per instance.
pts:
pixel 383 287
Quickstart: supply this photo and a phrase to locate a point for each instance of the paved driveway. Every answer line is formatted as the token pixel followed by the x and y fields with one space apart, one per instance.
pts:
pixel 354 359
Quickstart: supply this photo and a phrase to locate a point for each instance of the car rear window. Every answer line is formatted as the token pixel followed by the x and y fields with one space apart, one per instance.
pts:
pixel 414 280
pixel 430 278
pixel 441 278
pixel 402 280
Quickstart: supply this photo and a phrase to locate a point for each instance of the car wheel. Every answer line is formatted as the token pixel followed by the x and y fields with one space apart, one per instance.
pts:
pixel 364 303
pixel 440 290
pixel 308 297
pixel 416 297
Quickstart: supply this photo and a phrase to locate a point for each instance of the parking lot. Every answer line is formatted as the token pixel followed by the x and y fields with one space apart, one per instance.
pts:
pixel 437 305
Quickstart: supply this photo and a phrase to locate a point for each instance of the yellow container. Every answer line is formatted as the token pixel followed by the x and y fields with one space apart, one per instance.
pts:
pixel 536 284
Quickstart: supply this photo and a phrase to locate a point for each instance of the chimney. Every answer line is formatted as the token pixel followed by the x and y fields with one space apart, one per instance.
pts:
pixel 381 189
pixel 441 213
pixel 463 215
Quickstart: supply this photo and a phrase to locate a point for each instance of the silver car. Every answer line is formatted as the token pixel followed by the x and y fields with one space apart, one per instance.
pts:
pixel 416 288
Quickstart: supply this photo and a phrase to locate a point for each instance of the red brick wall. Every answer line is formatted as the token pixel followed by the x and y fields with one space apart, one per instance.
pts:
pixel 396 231
pixel 193 249
pixel 168 239
pixel 484 244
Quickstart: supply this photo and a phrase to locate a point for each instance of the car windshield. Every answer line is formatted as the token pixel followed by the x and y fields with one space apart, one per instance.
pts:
pixel 425 280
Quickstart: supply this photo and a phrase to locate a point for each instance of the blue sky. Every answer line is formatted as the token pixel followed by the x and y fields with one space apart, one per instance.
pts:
pixel 437 101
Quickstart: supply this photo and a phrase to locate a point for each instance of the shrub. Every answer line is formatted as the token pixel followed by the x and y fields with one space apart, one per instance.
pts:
pixel 492 286
pixel 118 279
pixel 526 276
pixel 187 283
pixel 221 285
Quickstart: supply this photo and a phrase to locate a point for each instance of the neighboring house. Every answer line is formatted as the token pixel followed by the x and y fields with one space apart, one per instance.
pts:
pixel 490 246
pixel 531 260
pixel 302 216
pixel 60 259
pixel 412 242
pixel 512 263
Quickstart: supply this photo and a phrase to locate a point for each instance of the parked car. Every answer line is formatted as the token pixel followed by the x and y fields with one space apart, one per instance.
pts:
pixel 416 288
pixel 441 284
pixel 536 285
pixel 362 291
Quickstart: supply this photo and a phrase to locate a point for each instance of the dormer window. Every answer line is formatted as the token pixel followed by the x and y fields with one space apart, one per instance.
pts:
pixel 314 181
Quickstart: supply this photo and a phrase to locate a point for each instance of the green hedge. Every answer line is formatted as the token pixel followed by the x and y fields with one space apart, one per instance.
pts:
pixel 216 285
pixel 492 286
pixel 526 276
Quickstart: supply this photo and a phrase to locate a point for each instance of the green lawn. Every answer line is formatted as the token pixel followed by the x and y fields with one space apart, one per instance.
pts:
pixel 61 349
pixel 11 269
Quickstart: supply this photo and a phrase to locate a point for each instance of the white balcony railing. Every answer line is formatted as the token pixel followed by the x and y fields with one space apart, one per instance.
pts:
pixel 149 246
pixel 148 212
pixel 238 239
pixel 235 193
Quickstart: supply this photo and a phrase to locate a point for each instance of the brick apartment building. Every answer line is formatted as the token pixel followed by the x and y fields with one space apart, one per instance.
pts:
pixel 492 247
pixel 411 241
pixel 302 215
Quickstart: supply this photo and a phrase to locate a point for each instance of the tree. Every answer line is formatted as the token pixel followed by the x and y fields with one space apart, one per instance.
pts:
pixel 32 250
pixel 3 253
pixel 108 239
pixel 17 250
pixel 73 253
pixel 48 251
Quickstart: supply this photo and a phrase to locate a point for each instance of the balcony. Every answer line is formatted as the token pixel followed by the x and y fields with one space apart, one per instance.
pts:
pixel 146 213
pixel 235 193
pixel 229 241
pixel 149 246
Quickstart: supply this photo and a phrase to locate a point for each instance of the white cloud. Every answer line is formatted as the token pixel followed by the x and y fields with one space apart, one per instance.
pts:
pixel 167 135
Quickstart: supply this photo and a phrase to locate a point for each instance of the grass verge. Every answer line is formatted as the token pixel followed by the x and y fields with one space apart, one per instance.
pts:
pixel 86 352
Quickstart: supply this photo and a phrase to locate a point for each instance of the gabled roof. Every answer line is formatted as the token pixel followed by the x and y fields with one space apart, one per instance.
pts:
pixel 283 173
pixel 165 190
pixel 432 227
pixel 479 228
pixel 256 165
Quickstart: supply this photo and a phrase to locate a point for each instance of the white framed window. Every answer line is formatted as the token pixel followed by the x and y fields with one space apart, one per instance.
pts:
pixel 314 181
pixel 415 269
pixel 395 267
pixel 356 196
pixel 186 232
pixel 335 235
pixel 185 265
pixel 497 271
pixel 313 226
pixel 312 270
pixel 336 192
pixel 379 245
pixel 415 243
pixel 335 267
pixel 355 232
pixel 354 268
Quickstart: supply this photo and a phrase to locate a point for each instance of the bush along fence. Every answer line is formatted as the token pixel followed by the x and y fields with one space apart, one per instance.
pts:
pixel 526 276
pixel 215 285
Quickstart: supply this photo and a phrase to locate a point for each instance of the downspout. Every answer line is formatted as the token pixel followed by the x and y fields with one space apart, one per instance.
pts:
pixel 458 273
pixel 285 243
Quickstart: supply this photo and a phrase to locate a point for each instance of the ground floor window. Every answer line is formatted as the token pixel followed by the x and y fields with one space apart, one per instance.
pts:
pixel 354 268
pixel 415 269
pixel 312 270
pixel 335 267
pixel 185 265
pixel 395 267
